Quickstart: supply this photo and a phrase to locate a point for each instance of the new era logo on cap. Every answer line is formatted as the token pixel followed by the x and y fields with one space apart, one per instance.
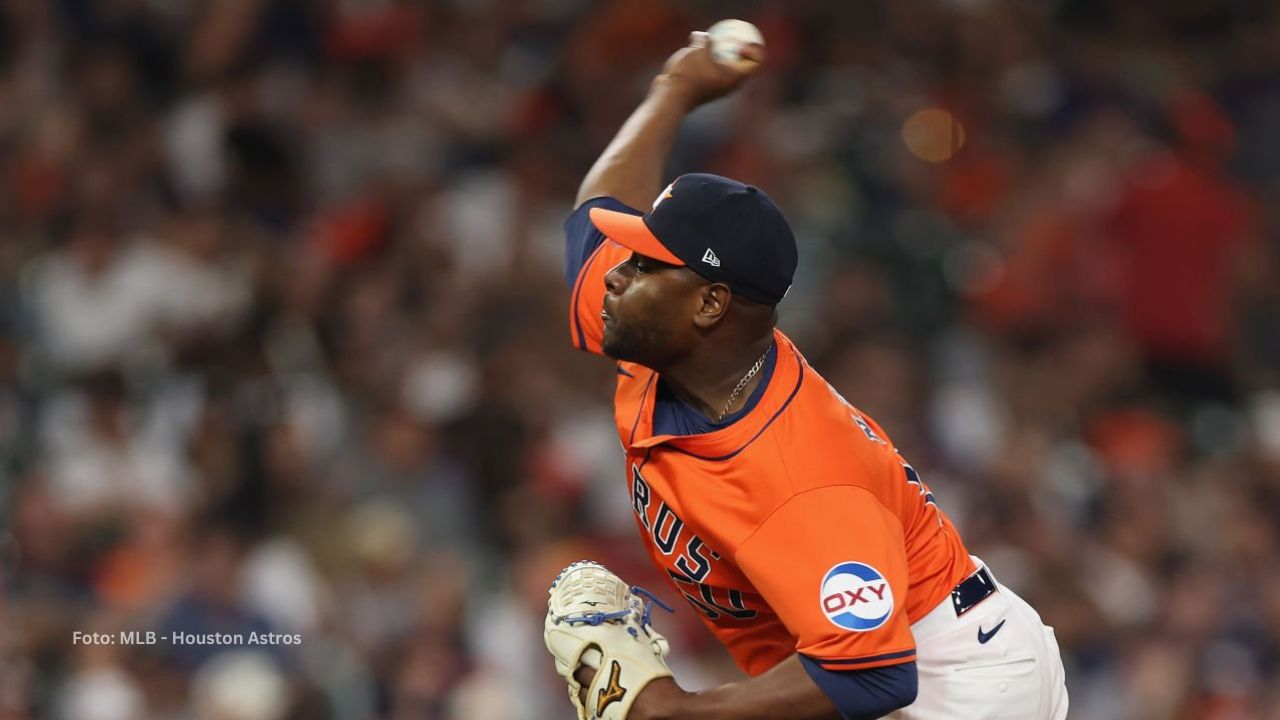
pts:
pixel 709 257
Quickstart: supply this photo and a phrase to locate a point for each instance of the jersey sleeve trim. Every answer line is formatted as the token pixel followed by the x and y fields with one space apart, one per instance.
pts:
pixel 579 336
pixel 868 693
pixel 866 661
pixel 582 236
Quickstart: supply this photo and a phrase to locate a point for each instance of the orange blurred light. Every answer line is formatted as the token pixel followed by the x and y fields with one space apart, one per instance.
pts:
pixel 933 135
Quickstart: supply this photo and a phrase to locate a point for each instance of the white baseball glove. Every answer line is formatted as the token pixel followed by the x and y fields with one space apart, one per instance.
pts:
pixel 595 619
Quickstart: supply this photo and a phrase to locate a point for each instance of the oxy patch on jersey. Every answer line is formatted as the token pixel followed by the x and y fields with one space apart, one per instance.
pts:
pixel 856 596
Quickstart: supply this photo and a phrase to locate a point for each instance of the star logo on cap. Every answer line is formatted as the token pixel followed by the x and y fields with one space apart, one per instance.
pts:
pixel 665 194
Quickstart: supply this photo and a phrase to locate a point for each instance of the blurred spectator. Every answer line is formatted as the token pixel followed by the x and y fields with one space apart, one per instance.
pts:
pixel 239 686
pixel 101 459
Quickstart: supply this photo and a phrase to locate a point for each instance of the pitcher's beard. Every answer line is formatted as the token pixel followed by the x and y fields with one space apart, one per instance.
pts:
pixel 645 345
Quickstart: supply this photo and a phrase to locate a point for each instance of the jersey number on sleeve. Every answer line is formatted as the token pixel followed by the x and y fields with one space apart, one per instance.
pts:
pixel 913 478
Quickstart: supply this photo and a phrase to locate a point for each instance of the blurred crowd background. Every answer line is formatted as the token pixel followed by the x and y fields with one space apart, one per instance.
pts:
pixel 283 339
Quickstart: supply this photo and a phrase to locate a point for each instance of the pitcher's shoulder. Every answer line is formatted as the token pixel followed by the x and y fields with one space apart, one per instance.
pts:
pixel 827 436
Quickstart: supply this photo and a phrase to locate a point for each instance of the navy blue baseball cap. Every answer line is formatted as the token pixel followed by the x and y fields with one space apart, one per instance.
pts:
pixel 719 228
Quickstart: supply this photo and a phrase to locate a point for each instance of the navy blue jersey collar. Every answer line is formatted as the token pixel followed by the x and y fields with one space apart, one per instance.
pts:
pixel 673 416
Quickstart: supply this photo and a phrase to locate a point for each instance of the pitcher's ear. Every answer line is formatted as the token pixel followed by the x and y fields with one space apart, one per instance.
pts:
pixel 714 304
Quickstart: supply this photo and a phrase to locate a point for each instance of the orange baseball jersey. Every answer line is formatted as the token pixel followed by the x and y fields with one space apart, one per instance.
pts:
pixel 797 528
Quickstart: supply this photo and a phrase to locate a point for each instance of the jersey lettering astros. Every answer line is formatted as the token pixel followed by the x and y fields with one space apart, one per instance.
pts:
pixel 798 528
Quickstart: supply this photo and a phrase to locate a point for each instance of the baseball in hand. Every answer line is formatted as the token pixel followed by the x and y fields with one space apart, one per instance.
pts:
pixel 726 40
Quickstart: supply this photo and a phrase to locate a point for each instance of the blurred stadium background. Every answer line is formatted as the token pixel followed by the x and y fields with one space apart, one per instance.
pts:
pixel 283 345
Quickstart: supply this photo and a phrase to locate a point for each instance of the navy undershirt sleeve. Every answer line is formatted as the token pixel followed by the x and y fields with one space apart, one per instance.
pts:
pixel 581 238
pixel 866 694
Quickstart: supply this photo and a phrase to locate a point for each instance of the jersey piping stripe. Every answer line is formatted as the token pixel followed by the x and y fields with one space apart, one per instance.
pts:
pixel 901 655
pixel 580 339
pixel 720 458
pixel 640 412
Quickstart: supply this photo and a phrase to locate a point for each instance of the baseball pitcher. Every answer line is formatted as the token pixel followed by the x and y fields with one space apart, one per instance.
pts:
pixel 782 513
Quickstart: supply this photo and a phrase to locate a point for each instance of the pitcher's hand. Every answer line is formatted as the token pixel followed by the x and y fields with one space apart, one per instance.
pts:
pixel 692 71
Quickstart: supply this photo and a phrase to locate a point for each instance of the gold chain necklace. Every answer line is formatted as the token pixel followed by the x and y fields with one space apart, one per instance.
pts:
pixel 743 383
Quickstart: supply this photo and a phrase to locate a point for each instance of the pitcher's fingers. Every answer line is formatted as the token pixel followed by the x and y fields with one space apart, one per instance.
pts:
pixel 584 675
pixel 698 38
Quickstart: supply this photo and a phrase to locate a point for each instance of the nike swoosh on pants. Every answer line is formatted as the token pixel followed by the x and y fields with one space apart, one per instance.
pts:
pixel 983 637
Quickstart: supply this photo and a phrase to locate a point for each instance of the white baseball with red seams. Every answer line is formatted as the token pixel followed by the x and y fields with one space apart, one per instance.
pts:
pixel 727 38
